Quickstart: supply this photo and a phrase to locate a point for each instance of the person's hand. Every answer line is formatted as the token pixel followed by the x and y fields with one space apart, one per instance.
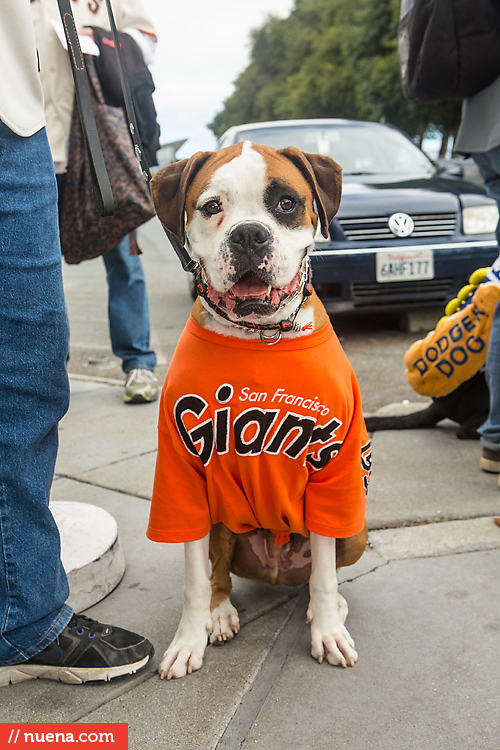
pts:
pixel 86 31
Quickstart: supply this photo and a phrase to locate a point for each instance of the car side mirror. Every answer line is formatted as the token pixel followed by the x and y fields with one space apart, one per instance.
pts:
pixel 451 169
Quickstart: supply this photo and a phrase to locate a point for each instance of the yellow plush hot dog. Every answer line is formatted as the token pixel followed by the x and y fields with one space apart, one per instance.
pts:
pixel 457 349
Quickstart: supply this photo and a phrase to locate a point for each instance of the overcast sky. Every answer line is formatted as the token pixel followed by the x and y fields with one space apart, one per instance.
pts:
pixel 202 48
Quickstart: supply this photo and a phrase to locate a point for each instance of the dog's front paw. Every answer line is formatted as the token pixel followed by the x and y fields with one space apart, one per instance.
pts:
pixel 225 623
pixel 185 653
pixel 330 638
pixel 333 644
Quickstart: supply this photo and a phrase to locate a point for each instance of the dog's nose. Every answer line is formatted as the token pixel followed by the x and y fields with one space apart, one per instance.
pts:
pixel 250 235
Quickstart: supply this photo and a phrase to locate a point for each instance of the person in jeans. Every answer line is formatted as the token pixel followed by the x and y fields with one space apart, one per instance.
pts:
pixel 128 310
pixel 40 635
pixel 479 137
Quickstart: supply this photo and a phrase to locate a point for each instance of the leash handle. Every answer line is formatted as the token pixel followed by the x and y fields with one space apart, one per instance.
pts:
pixel 100 180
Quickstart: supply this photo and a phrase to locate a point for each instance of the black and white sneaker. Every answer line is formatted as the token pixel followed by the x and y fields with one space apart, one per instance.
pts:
pixel 490 459
pixel 86 650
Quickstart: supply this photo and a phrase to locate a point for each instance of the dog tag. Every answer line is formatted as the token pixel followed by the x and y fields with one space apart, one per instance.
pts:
pixel 270 337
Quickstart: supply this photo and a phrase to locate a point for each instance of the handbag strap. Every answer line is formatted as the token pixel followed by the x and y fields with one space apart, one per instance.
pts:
pixel 100 180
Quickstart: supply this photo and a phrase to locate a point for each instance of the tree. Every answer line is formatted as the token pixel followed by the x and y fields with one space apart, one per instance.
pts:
pixel 331 58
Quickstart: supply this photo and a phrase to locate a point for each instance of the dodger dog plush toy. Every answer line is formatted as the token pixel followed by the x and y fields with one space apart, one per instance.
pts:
pixel 263 456
pixel 447 363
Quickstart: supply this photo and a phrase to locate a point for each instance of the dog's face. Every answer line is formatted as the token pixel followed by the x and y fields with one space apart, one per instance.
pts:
pixel 250 213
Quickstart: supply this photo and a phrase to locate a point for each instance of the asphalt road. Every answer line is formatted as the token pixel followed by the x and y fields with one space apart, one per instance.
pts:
pixel 376 346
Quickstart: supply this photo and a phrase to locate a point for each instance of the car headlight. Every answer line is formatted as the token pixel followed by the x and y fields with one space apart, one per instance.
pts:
pixel 480 219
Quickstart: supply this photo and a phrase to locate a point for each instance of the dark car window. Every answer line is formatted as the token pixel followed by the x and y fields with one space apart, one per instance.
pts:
pixel 360 150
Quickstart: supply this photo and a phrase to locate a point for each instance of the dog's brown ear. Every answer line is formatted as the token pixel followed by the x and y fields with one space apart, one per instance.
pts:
pixel 325 178
pixel 169 187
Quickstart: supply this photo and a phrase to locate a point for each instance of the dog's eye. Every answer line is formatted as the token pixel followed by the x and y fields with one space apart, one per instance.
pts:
pixel 286 204
pixel 212 207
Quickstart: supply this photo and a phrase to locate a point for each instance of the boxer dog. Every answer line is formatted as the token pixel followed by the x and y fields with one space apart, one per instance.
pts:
pixel 250 213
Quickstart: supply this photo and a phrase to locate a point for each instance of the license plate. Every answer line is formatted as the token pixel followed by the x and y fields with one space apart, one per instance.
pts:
pixel 405 265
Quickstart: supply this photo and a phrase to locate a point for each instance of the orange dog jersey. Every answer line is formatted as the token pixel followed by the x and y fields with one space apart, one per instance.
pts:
pixel 259 436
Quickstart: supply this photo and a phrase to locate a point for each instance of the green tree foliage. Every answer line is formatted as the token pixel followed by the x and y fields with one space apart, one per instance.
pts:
pixel 330 58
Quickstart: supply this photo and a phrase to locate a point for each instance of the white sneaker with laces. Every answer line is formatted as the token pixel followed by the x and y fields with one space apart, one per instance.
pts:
pixel 140 386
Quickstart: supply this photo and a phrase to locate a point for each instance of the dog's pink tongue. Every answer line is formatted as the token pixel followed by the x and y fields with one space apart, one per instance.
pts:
pixel 251 287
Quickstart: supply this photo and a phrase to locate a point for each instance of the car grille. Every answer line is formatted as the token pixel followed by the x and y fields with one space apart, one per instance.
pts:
pixel 432 225
pixel 426 289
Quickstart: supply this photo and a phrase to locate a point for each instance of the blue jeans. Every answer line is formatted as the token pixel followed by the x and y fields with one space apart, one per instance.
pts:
pixel 490 430
pixel 128 310
pixel 489 165
pixel 34 395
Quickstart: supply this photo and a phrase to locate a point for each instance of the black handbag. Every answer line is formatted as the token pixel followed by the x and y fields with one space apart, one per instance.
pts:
pixel 140 81
pixel 448 49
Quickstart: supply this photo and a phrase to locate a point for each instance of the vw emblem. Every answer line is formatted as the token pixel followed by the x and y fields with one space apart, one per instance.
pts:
pixel 401 225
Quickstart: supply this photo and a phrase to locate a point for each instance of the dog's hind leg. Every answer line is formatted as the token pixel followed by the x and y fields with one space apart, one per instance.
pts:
pixel 225 620
pixel 348 551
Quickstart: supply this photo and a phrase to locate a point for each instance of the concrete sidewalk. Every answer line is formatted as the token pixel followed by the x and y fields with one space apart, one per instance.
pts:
pixel 424 599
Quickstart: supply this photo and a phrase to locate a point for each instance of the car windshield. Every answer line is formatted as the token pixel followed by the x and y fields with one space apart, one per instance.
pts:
pixel 360 150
